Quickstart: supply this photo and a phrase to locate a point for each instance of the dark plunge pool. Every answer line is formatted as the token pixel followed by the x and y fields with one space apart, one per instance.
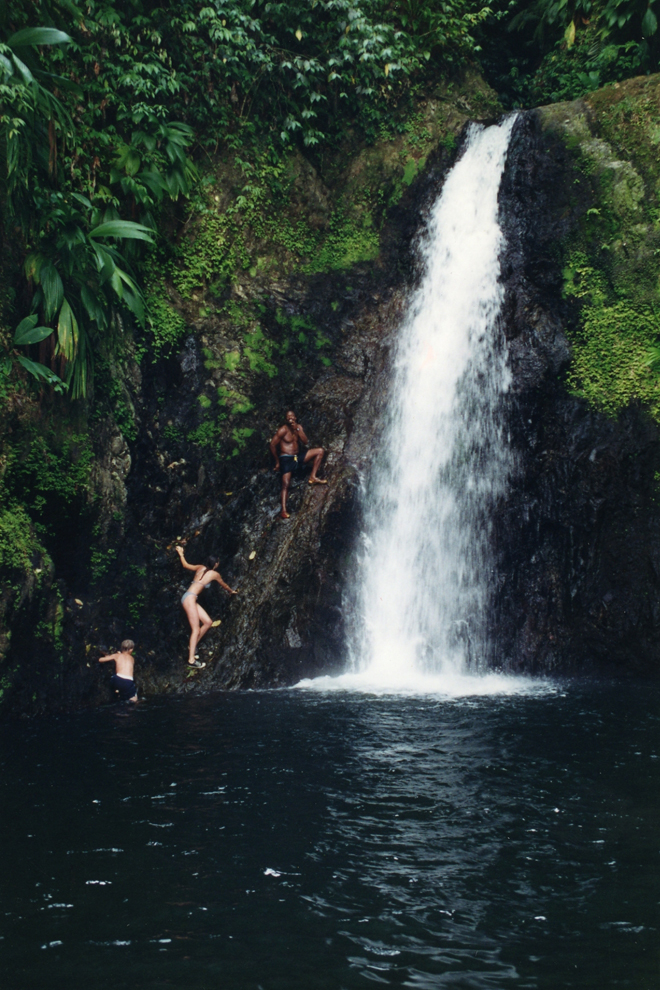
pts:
pixel 285 840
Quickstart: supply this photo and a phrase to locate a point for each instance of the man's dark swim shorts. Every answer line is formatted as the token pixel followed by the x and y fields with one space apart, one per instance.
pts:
pixel 292 462
pixel 124 686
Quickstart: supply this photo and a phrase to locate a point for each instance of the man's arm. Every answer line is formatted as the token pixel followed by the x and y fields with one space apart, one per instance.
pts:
pixel 301 434
pixel 274 446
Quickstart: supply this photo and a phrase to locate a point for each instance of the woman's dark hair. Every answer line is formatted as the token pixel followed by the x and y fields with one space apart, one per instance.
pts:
pixel 211 563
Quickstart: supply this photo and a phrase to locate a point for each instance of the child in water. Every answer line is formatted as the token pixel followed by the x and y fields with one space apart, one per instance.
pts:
pixel 122 680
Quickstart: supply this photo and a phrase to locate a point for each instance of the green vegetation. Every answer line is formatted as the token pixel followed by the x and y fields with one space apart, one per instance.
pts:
pixel 101 561
pixel 167 325
pixel 240 438
pixel 207 434
pixel 548 50
pixel 234 401
pixel 100 105
pixel 20 549
pixel 236 240
pixel 48 470
pixel 613 351
pixel 612 262
pixel 300 334
pixel 104 106
pixel 173 433
pixel 111 396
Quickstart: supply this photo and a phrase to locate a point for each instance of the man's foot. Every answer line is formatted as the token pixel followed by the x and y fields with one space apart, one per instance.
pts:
pixel 197 664
pixel 317 481
pixel 284 515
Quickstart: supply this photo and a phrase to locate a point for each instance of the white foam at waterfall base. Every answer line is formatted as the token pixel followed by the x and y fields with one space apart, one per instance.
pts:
pixel 416 683
pixel 445 685
pixel 419 608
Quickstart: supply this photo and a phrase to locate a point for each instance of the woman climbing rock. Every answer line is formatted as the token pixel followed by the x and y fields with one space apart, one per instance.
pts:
pixel 200 621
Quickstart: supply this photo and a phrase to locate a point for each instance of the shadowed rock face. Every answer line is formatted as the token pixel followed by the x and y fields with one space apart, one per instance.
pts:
pixel 577 538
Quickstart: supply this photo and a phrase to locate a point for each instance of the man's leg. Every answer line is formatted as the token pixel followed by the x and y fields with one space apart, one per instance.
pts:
pixel 286 481
pixel 316 454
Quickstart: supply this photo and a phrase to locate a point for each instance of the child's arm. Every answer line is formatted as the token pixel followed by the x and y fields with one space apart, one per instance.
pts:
pixel 113 656
pixel 188 567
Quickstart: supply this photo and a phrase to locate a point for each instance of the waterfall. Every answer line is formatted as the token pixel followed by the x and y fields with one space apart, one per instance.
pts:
pixel 425 576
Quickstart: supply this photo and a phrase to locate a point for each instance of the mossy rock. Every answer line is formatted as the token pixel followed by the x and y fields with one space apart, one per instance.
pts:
pixel 613 135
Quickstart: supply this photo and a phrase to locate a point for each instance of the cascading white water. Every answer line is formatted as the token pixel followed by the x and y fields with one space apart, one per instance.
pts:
pixel 425 575
pixel 423 587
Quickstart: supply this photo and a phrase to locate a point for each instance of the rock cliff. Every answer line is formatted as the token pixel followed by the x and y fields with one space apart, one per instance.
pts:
pixel 579 557
pixel 285 290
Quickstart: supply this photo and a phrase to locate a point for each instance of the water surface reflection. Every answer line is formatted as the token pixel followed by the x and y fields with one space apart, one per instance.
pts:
pixel 297 840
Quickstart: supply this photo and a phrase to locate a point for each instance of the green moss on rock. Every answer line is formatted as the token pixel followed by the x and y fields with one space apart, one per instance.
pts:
pixel 21 551
pixel 611 364
pixel 612 262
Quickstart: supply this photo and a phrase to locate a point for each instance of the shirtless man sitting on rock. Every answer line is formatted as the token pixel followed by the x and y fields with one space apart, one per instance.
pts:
pixel 289 448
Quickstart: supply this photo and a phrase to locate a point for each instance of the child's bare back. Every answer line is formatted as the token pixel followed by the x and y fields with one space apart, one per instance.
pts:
pixel 122 680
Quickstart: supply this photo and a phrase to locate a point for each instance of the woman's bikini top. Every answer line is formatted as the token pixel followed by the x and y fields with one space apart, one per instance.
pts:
pixel 203 588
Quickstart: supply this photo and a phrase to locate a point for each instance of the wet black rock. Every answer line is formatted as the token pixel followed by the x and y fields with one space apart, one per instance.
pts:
pixel 577 536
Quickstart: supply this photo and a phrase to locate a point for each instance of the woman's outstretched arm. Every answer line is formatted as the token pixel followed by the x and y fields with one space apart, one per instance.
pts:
pixel 218 577
pixel 188 567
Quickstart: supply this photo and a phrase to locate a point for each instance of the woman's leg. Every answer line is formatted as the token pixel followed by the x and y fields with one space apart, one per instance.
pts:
pixel 190 608
pixel 205 620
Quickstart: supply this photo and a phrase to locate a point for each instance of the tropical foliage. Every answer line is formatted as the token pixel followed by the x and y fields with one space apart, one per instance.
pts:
pixel 77 251
pixel 105 105
pixel 550 50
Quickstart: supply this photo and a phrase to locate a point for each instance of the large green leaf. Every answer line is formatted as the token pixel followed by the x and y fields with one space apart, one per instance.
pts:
pixel 67 332
pixel 128 292
pixel 41 371
pixel 23 70
pixel 33 264
pixel 60 81
pixel 123 228
pixel 649 23
pixel 38 36
pixel 94 305
pixel 79 370
pixel 154 181
pixel 105 262
pixel 53 290
pixel 28 333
